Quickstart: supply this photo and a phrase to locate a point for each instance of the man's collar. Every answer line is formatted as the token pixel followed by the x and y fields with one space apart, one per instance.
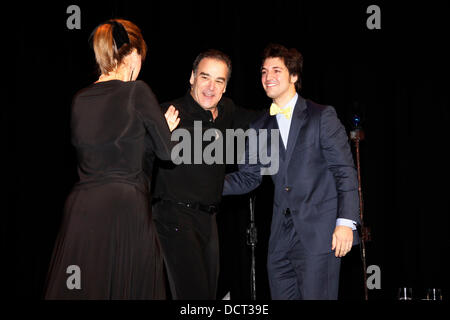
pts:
pixel 196 108
pixel 293 101
pixel 290 104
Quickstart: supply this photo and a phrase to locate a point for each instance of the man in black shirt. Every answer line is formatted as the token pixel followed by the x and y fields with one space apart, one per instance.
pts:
pixel 186 196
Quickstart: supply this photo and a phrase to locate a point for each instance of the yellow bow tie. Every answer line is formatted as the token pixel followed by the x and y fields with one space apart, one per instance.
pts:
pixel 275 109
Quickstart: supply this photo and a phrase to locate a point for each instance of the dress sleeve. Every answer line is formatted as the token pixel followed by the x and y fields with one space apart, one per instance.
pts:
pixel 158 133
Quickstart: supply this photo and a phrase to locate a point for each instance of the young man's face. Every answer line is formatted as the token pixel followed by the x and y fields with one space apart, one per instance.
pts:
pixel 276 80
pixel 209 82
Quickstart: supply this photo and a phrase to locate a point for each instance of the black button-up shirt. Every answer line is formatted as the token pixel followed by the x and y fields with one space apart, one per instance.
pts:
pixel 198 183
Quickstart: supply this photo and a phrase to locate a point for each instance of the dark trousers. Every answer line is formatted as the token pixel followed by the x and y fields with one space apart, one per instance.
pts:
pixel 190 246
pixel 295 274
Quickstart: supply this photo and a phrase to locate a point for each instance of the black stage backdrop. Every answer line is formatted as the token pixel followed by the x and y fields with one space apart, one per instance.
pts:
pixel 395 78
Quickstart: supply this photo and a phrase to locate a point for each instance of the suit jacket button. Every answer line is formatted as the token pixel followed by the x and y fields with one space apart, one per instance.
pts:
pixel 287 189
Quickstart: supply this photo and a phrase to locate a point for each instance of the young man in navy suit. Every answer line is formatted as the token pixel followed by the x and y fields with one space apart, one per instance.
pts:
pixel 316 204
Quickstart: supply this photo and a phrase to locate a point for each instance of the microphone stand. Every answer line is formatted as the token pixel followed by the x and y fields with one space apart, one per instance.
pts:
pixel 251 241
pixel 357 135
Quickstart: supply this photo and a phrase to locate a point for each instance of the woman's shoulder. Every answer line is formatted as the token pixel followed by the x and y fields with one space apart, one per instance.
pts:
pixel 140 84
pixel 137 88
pixel 141 89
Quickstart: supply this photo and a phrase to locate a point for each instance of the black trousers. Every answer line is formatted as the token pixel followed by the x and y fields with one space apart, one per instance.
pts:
pixel 190 246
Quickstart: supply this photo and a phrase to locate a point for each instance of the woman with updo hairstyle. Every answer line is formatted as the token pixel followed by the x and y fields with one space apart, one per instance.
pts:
pixel 107 246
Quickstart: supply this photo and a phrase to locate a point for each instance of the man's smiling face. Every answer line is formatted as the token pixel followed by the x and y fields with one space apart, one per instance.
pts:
pixel 275 78
pixel 209 82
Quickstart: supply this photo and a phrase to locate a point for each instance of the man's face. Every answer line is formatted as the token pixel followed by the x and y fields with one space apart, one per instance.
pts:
pixel 209 82
pixel 275 78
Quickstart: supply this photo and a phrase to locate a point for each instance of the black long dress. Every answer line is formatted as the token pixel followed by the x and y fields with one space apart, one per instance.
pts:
pixel 107 238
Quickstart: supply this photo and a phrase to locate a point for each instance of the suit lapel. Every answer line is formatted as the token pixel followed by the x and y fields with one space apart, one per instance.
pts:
pixel 299 118
pixel 273 124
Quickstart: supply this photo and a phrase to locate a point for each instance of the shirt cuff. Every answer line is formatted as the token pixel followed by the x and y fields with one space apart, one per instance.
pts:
pixel 346 222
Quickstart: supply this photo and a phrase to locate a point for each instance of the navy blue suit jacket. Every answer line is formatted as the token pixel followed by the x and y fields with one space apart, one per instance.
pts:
pixel 316 180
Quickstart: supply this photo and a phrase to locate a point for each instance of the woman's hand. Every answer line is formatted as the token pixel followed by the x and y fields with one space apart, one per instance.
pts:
pixel 172 118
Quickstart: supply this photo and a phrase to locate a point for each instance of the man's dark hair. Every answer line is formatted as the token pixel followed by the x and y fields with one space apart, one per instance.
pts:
pixel 213 54
pixel 292 58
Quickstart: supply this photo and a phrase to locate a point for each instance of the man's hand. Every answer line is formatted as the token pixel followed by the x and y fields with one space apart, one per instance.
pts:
pixel 342 240
pixel 172 119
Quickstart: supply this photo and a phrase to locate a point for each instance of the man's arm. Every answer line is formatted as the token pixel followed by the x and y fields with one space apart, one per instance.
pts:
pixel 336 150
pixel 248 177
pixel 337 153
pixel 243 181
